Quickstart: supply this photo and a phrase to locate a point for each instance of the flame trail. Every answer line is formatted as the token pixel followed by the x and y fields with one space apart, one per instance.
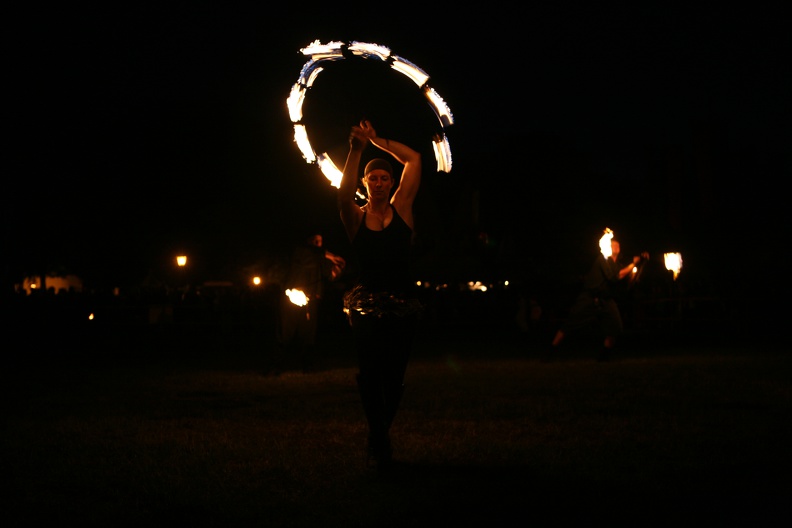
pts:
pixel 322 55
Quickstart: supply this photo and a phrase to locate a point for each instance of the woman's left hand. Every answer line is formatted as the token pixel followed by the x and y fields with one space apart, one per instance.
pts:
pixel 368 129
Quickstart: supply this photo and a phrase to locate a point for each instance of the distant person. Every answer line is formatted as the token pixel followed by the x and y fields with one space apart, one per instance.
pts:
pixel 382 312
pixel 310 265
pixel 529 314
pixel 596 303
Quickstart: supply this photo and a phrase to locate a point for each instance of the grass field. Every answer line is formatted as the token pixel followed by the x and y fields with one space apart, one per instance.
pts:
pixel 143 429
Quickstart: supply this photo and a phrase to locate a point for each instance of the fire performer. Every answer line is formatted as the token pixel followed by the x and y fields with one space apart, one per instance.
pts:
pixel 381 312
pixel 310 266
pixel 596 303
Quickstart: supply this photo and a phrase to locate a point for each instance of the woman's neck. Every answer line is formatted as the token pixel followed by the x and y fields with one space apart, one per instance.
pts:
pixel 378 207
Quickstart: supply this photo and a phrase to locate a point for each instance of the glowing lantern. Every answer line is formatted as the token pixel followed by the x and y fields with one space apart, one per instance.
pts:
pixel 256 280
pixel 673 263
pixel 181 261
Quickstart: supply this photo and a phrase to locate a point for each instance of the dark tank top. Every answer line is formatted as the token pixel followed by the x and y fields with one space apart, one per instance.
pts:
pixel 384 256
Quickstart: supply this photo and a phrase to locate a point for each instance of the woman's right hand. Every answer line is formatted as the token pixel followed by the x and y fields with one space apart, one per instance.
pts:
pixel 358 138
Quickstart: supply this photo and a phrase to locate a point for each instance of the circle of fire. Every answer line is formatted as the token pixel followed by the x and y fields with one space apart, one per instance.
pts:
pixel 323 54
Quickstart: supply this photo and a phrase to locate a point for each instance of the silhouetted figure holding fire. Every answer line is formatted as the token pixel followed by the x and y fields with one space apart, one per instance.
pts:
pixel 310 265
pixel 596 303
pixel 381 312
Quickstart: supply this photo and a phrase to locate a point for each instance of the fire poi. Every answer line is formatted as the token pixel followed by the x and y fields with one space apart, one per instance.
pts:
pixel 607 251
pixel 323 55
pixel 673 263
pixel 605 243
pixel 297 297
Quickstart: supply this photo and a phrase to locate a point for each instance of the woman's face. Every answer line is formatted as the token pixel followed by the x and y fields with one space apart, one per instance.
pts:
pixel 378 183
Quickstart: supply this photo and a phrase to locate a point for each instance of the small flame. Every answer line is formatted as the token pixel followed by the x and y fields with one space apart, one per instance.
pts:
pixel 442 153
pixel 297 297
pixel 605 243
pixel 413 72
pixel 330 170
pixel 439 106
pixel 331 50
pixel 365 50
pixel 673 263
pixel 295 102
pixel 301 138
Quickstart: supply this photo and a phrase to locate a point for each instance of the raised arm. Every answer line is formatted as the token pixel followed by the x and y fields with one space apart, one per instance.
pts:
pixel 636 260
pixel 626 270
pixel 351 215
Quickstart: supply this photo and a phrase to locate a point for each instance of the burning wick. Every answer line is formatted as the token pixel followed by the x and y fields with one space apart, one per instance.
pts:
pixel 297 297
pixel 605 243
pixel 673 263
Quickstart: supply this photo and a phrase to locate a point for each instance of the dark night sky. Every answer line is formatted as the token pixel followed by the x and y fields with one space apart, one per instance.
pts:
pixel 140 131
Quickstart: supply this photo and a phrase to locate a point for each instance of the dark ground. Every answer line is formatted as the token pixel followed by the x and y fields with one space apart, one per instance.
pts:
pixel 681 427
